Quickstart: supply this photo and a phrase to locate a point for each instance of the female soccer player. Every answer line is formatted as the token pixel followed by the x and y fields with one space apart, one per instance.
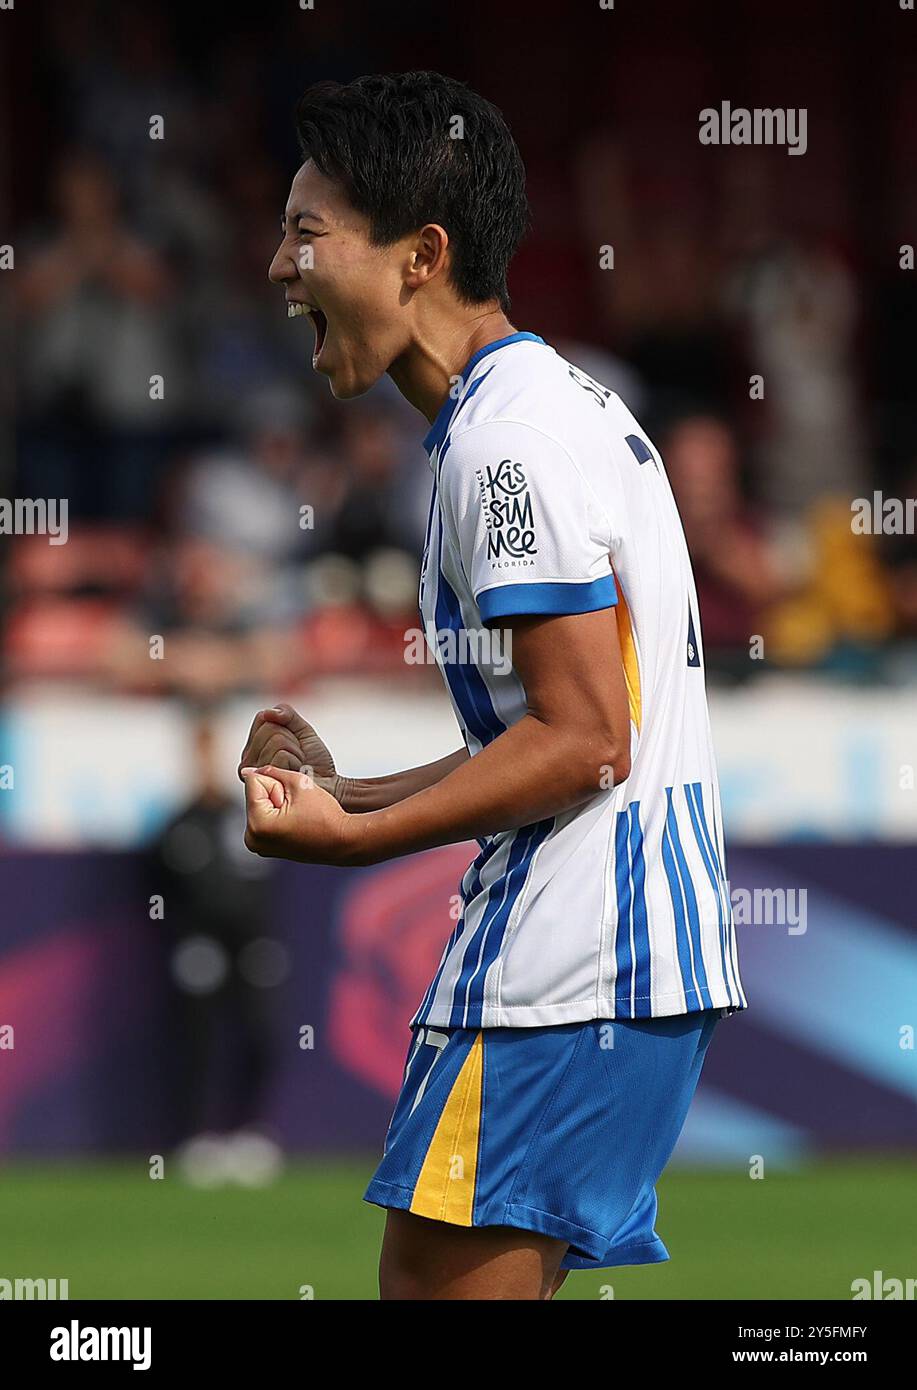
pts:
pixel 557 1048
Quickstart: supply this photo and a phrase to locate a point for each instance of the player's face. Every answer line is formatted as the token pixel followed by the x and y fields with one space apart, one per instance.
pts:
pixel 350 290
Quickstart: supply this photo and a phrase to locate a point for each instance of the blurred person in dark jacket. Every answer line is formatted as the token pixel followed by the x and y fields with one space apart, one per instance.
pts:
pixel 225 969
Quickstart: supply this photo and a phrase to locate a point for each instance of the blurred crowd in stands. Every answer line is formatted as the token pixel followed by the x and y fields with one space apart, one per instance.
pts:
pixel 267 533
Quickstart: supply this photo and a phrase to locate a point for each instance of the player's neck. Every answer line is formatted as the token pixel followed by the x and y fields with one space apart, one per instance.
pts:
pixel 426 372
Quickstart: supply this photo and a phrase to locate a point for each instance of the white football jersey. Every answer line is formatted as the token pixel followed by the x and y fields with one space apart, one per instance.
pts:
pixel 549 498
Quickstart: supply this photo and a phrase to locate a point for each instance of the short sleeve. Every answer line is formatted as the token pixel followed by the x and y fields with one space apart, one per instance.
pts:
pixel 531 534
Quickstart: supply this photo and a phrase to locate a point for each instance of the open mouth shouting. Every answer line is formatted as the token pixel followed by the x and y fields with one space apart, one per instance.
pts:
pixel 296 309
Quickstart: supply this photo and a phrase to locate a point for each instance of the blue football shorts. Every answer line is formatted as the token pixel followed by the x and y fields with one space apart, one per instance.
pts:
pixel 562 1130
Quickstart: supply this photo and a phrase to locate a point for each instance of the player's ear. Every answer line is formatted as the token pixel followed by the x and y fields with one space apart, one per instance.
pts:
pixel 427 255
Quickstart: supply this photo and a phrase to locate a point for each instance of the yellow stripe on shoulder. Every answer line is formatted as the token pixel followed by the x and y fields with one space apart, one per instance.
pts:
pixel 629 657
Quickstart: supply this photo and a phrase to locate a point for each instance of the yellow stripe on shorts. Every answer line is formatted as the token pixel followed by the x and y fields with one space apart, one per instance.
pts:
pixel 445 1187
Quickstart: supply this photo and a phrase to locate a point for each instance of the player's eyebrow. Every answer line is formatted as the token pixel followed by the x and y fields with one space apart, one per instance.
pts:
pixel 305 215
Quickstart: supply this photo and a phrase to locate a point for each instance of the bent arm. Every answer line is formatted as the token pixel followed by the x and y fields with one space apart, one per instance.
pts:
pixel 573 740
pixel 363 794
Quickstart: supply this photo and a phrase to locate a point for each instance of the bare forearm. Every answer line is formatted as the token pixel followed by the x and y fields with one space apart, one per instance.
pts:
pixel 532 771
pixel 363 794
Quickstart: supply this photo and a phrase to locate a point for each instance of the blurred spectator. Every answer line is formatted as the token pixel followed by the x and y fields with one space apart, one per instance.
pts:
pixel 658 301
pixel 95 303
pixel 841 614
pixel 736 567
pixel 144 261
pixel 225 967
pixel 208 625
pixel 800 307
pixel 267 495
pixel 374 513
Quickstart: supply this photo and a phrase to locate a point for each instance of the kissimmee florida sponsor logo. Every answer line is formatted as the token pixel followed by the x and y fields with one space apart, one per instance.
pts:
pixel 80 1343
pixel 38 1290
pixel 507 506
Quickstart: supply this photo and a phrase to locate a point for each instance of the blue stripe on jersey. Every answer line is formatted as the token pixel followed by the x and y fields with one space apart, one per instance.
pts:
pixel 460 404
pixel 507 599
pixel 687 884
pixel 427 1000
pixel 474 871
pixel 466 684
pixel 694 797
pixel 713 841
pixel 642 980
pixel 426 542
pixel 681 939
pixel 447 444
pixel 632 945
pixel 640 449
pixel 473 389
pixel 484 947
pixel 624 960
pixel 443 420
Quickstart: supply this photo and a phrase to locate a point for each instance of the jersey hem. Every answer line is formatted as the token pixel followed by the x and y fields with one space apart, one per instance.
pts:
pixel 579 1011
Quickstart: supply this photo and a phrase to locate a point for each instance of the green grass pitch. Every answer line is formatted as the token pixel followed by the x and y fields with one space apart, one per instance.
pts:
pixel 115 1233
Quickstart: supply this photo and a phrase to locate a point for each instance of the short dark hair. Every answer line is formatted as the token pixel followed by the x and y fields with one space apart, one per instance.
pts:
pixel 393 143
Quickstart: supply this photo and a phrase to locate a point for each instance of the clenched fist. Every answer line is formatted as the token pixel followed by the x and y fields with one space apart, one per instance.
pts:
pixel 289 817
pixel 281 738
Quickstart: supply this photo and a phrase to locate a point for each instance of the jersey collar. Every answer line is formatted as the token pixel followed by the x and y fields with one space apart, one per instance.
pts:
pixel 443 420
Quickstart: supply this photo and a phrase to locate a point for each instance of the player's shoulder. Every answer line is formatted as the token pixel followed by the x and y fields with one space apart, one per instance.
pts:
pixel 528 390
